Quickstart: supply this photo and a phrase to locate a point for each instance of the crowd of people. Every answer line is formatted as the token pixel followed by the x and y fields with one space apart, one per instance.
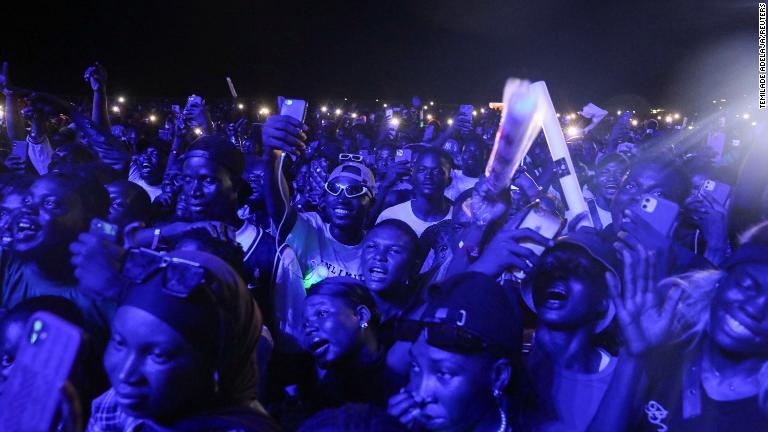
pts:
pixel 240 272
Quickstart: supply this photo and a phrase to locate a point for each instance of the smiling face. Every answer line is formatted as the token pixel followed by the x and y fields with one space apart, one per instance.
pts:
pixel 454 390
pixel 387 258
pixel 211 195
pixel 50 218
pixel 344 212
pixel 739 313
pixel 607 180
pixel 155 372
pixel 151 166
pixel 331 330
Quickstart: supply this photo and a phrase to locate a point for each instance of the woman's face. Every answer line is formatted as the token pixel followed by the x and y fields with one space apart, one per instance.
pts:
pixel 453 390
pixel 331 329
pixel 739 314
pixel 154 371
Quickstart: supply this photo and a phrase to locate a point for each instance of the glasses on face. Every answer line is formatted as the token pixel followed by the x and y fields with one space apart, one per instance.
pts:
pixel 350 156
pixel 180 278
pixel 445 336
pixel 351 191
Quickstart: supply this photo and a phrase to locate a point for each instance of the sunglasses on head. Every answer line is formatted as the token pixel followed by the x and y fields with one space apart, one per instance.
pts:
pixel 449 337
pixel 351 191
pixel 180 277
pixel 349 156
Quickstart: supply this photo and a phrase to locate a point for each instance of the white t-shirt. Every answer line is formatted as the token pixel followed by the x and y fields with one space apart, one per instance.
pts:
pixel 319 254
pixel 603 214
pixel 404 212
pixel 135 177
pixel 459 184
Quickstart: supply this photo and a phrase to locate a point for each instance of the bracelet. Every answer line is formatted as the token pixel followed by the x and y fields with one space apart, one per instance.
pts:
pixel 155 239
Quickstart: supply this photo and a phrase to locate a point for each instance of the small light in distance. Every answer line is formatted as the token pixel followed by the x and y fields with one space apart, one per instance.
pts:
pixel 116 109
pixel 634 122
pixel 338 111
pixel 668 119
pixel 658 117
pixel 746 116
pixel 431 103
pixel 429 116
pixel 324 109
pixel 426 107
pixel 198 131
pixel 152 118
pixel 240 106
pixel 474 113
pixel 754 123
pixel 121 99
pixel 558 115
pixel 264 111
pixel 395 122
pixel 450 122
pixel 385 105
pixel 618 112
pixel 690 127
pixel 482 110
pixel 354 115
pixel 677 116
pixel 572 131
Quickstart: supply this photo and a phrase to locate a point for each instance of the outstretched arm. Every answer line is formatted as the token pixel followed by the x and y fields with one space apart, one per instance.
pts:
pixel 96 76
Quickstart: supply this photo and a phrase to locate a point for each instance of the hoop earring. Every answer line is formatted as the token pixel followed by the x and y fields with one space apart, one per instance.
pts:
pixel 364 325
pixel 496 393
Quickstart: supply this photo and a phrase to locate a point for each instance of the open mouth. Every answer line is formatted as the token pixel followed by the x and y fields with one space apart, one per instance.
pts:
pixel 611 188
pixel 26 228
pixel 342 211
pixel 555 298
pixel 318 347
pixel 377 273
pixel 737 327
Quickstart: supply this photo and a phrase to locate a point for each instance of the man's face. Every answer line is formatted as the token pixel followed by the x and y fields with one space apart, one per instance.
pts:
pixel 254 175
pixel 472 159
pixel 9 206
pixel 172 181
pixel 331 330
pixel 608 178
pixel 50 218
pixel 641 180
pixel 150 166
pixel 384 158
pixel 154 371
pixel 209 189
pixel 453 390
pixel 343 211
pixel 739 313
pixel 568 303
pixel 387 258
pixel 431 175
pixel 121 205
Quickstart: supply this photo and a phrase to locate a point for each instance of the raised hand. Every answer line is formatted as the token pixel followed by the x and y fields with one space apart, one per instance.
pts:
pixel 644 314
pixel 96 76
pixel 637 232
pixel 284 133
pixel 97 265
pixel 49 104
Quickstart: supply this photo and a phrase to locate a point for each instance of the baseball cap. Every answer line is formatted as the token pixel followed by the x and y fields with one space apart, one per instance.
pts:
pixel 356 171
pixel 476 303
pixel 598 249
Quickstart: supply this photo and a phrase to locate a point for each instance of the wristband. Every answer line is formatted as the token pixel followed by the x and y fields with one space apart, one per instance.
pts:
pixel 156 239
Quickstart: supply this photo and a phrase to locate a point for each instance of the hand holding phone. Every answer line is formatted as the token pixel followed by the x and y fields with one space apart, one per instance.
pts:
pixel 660 213
pixel 720 192
pixel 45 360
pixel 548 224
pixel 295 108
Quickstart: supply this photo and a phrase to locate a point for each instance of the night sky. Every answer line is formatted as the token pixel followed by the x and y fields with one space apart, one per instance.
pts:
pixel 612 53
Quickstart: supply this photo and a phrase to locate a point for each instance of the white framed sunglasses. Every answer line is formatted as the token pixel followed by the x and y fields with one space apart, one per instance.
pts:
pixel 350 157
pixel 351 191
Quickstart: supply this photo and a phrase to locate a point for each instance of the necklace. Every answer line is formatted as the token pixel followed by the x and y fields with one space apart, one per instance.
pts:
pixel 503 425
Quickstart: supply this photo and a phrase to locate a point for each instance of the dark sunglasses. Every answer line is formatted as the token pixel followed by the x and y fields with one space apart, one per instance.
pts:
pixel 180 277
pixel 449 337
pixel 351 191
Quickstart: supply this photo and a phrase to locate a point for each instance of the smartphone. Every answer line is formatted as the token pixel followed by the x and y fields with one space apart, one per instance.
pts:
pixel 19 149
pixel 403 155
pixel 466 110
pixel 659 212
pixel 46 357
pixel 714 189
pixel 543 222
pixel 388 114
pixel 295 108
pixel 716 142
pixel 104 229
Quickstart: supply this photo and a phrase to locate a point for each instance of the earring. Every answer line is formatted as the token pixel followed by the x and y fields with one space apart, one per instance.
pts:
pixel 364 325
pixel 496 393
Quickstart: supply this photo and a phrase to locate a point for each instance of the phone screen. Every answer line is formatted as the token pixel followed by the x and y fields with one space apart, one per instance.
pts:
pixel 295 108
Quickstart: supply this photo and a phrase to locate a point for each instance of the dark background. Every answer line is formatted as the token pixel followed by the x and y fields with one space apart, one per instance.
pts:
pixel 635 54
